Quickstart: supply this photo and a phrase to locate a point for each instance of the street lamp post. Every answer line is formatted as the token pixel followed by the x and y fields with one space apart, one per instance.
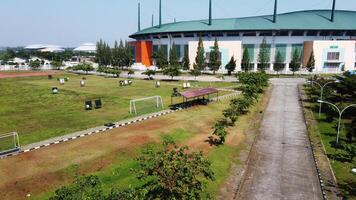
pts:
pixel 340 115
pixel 322 91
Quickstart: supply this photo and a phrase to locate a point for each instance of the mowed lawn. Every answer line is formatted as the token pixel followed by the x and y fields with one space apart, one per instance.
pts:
pixel 29 108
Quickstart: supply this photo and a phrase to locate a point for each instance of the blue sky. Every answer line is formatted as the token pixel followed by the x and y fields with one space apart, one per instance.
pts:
pixel 72 22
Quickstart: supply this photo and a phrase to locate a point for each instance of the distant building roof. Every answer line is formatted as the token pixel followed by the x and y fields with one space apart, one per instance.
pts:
pixel 86 47
pixel 44 48
pixel 299 20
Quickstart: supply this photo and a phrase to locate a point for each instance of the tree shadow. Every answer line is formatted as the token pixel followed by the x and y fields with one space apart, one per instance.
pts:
pixel 350 188
pixel 213 141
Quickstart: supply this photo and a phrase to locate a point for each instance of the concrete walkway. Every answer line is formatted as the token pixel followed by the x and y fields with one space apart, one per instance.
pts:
pixel 281 163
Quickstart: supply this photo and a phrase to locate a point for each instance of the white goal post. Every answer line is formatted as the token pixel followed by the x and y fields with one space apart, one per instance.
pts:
pixel 9 142
pixel 159 102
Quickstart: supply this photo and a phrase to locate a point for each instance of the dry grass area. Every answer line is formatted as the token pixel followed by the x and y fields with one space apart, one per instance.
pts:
pixel 110 155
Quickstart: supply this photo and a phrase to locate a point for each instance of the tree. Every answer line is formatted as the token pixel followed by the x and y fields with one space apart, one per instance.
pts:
pixel 173 172
pixel 278 63
pixel 35 64
pixel 200 57
pixel 56 64
pixel 186 61
pixel 127 57
pixel 295 63
pixel 83 67
pixel 87 187
pixel 231 66
pixel 161 58
pixel 172 71
pixel 214 59
pixel 351 151
pixel 149 73
pixel 173 58
pixel 245 63
pixel 116 55
pixel 263 56
pixel 220 130
pixel 311 62
pixel 231 114
pixel 195 72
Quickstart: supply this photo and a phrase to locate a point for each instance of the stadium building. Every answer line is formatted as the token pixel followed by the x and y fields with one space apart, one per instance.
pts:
pixel 329 34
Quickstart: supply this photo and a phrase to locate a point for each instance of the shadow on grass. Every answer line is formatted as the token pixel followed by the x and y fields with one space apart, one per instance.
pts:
pixel 213 141
pixel 350 188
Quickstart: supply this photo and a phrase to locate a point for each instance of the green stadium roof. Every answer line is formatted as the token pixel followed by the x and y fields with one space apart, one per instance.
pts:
pixel 299 20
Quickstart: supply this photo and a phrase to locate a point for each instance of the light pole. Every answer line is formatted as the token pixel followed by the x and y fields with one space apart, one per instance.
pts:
pixel 322 91
pixel 340 115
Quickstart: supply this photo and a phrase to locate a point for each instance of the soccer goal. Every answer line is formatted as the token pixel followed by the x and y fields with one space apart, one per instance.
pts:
pixel 146 105
pixel 9 142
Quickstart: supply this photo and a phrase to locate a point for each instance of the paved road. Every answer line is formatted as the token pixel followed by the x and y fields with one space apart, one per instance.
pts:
pixel 282 166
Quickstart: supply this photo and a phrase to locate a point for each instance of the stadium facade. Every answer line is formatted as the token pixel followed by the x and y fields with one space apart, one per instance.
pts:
pixel 329 34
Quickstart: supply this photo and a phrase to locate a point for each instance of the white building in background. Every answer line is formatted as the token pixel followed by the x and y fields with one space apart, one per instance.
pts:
pixel 86 47
pixel 331 34
pixel 44 48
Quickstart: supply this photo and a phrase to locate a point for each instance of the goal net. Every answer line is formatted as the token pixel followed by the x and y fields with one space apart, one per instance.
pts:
pixel 146 105
pixel 9 142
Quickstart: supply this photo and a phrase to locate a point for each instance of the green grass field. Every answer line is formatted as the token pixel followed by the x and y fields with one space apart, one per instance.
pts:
pixel 29 108
pixel 338 156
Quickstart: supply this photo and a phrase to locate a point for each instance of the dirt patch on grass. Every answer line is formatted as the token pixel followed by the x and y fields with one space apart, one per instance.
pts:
pixel 25 74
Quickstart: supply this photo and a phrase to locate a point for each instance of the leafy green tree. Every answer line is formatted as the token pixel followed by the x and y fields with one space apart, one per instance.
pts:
pixel 214 59
pixel 87 187
pixel 220 130
pixel 149 73
pixel 200 57
pixel 56 64
pixel 186 61
pixel 35 64
pixel 295 63
pixel 231 65
pixel 172 71
pixel 195 72
pixel 242 104
pixel 231 114
pixel 311 62
pixel 245 62
pixel 351 151
pixel 83 67
pixel 263 56
pixel 173 172
pixel 278 63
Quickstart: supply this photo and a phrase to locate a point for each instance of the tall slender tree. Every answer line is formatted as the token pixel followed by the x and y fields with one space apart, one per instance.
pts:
pixel 200 57
pixel 186 61
pixel 263 56
pixel 278 63
pixel 245 63
pixel 116 55
pixel 295 63
pixel 161 58
pixel 173 56
pixel 311 62
pixel 214 59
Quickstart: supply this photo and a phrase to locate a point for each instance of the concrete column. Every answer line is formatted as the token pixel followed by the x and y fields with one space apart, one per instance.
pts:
pixel 255 67
pixel 287 67
pixel 271 66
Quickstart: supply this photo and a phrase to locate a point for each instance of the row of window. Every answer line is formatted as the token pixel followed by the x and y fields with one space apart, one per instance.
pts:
pixel 281 48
